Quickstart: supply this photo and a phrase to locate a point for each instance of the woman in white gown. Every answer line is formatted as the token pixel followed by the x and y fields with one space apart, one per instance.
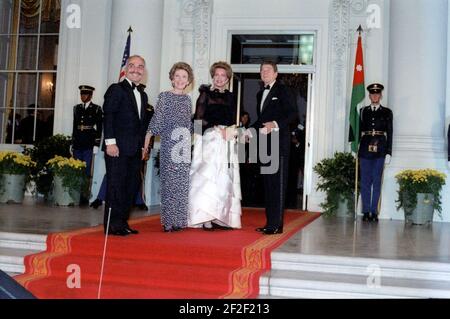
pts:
pixel 215 191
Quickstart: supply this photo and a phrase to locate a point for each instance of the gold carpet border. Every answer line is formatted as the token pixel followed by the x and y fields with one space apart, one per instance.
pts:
pixel 254 261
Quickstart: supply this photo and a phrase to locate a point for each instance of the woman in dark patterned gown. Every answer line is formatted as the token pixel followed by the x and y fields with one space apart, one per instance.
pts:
pixel 215 193
pixel 172 122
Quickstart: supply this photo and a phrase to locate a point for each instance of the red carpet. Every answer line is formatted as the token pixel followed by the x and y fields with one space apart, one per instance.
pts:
pixel 189 264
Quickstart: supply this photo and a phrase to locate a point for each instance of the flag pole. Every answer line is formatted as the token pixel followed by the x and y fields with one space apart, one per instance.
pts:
pixel 360 30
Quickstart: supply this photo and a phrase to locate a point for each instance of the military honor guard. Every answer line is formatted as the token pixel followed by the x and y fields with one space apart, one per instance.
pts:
pixel 87 127
pixel 375 150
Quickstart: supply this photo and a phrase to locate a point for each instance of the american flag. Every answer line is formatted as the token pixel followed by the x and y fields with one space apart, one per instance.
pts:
pixel 126 55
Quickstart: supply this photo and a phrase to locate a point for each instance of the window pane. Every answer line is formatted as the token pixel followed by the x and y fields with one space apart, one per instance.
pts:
pixel 26 90
pixel 6 16
pixel 27 53
pixel 11 130
pixel 48 52
pixel 6 90
pixel 3 124
pixel 50 16
pixel 45 123
pixel 25 133
pixel 47 87
pixel 6 45
pixel 29 16
pixel 282 49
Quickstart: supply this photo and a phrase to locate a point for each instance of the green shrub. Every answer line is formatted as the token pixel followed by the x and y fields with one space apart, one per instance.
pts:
pixel 337 180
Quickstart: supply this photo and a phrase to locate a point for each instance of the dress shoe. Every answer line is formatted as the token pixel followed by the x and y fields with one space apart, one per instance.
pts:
pixel 366 217
pixel 176 228
pixel 273 231
pixel 374 218
pixel 119 232
pixel 167 229
pixel 132 231
pixel 261 229
pixel 217 226
pixel 96 203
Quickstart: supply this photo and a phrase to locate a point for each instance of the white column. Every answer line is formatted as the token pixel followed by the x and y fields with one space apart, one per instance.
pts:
pixel 146 19
pixel 416 93
pixel 417 84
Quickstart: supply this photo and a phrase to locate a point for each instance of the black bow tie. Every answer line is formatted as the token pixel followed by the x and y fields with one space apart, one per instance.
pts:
pixel 139 87
pixel 267 87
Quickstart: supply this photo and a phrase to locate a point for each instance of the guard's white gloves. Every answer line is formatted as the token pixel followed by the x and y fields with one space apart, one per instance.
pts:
pixel 387 159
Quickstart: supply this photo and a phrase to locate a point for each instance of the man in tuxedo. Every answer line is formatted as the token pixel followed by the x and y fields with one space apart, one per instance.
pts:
pixel 276 109
pixel 139 198
pixel 124 131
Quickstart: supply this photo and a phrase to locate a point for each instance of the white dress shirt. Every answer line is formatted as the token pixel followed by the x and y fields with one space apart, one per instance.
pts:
pixel 264 96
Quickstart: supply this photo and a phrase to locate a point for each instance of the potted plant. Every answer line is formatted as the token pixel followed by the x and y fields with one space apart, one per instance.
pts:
pixel 337 180
pixel 41 153
pixel 69 180
pixel 419 194
pixel 15 172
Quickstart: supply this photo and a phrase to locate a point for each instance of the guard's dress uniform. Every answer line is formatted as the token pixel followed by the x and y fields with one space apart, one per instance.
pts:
pixel 87 131
pixel 375 144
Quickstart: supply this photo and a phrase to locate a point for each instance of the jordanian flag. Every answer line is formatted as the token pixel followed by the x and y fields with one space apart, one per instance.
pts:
pixel 358 96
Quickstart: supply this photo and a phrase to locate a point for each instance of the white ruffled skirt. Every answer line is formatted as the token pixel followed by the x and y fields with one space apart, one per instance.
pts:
pixel 215 189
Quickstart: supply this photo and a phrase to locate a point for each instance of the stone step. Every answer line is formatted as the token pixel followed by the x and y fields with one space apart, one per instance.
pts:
pixel 308 284
pixel 23 241
pixel 12 259
pixel 361 266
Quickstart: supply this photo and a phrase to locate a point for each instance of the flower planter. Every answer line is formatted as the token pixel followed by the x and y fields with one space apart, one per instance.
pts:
pixel 342 210
pixel 423 212
pixel 12 189
pixel 62 196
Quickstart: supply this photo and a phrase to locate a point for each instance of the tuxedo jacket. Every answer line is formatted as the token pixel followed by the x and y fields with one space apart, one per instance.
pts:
pixel 279 106
pixel 121 119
